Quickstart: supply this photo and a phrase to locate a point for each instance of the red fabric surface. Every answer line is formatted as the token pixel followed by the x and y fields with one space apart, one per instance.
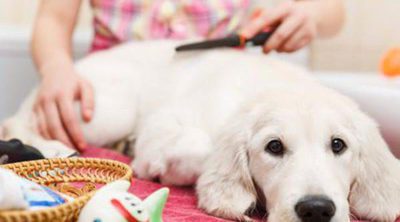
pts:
pixel 181 205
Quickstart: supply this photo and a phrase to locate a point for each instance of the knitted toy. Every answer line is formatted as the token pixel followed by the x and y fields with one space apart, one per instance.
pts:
pixel 112 203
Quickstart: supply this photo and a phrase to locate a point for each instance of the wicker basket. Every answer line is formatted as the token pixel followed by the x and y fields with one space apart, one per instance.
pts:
pixel 58 174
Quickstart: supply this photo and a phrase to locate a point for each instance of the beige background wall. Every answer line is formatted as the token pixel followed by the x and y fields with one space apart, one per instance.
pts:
pixel 22 13
pixel 372 27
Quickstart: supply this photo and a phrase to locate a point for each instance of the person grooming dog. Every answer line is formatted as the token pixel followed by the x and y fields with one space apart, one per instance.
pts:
pixel 116 22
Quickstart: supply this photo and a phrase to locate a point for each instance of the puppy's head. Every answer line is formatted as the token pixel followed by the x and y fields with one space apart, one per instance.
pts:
pixel 313 155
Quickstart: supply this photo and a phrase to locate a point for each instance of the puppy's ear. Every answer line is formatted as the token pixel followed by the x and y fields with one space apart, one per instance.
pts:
pixel 375 193
pixel 226 187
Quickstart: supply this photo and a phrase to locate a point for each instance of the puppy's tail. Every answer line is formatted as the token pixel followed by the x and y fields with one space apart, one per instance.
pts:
pixel 20 125
pixel 15 128
pixel 4 130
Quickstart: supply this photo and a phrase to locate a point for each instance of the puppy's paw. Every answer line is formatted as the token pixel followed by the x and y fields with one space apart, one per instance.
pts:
pixel 175 173
pixel 53 149
pixel 185 157
pixel 148 168
pixel 169 171
pixel 175 160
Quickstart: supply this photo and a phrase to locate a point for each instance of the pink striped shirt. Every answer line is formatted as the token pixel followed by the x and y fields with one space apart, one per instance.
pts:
pixel 117 21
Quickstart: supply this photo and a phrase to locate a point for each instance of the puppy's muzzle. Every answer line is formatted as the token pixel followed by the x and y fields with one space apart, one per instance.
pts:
pixel 315 209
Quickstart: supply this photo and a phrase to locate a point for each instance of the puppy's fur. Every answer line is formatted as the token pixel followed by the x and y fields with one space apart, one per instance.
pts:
pixel 225 106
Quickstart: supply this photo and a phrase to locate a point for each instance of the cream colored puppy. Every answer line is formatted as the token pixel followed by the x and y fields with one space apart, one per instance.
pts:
pixel 267 130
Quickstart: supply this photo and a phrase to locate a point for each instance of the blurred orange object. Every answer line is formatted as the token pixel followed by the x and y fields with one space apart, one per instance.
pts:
pixel 390 65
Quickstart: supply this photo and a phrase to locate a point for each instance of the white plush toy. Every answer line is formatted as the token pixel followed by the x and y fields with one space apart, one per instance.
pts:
pixel 17 193
pixel 112 203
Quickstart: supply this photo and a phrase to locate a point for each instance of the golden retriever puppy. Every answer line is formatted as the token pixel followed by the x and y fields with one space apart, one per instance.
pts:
pixel 246 127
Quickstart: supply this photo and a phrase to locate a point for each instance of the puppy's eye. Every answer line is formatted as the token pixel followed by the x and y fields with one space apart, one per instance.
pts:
pixel 275 147
pixel 338 145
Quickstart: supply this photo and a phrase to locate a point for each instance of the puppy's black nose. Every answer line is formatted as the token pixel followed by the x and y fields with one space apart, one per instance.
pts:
pixel 315 209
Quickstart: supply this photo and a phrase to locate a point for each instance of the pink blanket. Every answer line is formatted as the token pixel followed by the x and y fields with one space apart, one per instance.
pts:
pixel 181 205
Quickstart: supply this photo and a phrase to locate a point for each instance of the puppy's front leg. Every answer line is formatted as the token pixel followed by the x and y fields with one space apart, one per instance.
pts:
pixel 168 149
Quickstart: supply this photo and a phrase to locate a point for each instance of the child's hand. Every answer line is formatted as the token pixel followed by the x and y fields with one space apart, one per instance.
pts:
pixel 295 27
pixel 54 106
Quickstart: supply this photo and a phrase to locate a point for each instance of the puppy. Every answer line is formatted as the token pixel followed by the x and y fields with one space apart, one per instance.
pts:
pixel 311 154
pixel 242 122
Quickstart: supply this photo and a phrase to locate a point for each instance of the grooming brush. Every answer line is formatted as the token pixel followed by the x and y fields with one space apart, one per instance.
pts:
pixel 230 41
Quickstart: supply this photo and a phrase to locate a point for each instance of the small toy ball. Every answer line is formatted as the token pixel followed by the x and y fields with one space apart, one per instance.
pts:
pixel 390 65
pixel 113 203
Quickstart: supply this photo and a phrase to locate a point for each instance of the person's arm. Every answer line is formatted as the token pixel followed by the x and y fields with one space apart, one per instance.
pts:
pixel 60 84
pixel 329 15
pixel 298 23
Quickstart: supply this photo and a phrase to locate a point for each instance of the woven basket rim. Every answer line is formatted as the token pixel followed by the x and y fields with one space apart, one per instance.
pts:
pixel 65 208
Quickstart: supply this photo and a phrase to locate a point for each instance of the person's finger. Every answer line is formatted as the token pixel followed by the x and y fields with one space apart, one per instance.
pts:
pixel 87 101
pixel 283 32
pixel 298 40
pixel 41 123
pixel 302 44
pixel 267 18
pixel 70 121
pixel 54 124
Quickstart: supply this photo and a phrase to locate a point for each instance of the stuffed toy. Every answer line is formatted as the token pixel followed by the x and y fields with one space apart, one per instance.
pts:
pixel 17 193
pixel 113 203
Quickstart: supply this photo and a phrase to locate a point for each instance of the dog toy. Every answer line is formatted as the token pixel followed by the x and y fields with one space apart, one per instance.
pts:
pixel 17 193
pixel 15 151
pixel 390 65
pixel 112 203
